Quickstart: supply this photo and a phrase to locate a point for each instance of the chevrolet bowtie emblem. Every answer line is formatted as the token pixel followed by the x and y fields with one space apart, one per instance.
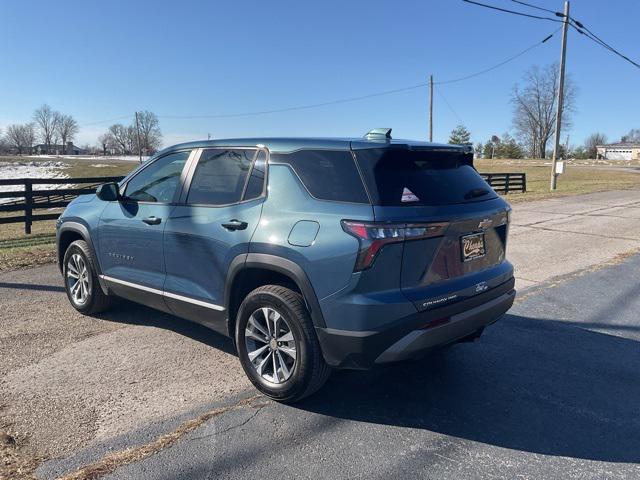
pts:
pixel 486 223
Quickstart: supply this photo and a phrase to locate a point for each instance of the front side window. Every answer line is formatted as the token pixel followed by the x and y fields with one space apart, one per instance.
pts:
pixel 220 177
pixel 159 181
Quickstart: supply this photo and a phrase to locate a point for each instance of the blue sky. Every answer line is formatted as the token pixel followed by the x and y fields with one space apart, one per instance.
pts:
pixel 102 60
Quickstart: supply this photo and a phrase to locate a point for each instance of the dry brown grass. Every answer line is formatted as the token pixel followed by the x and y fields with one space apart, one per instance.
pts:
pixel 17 462
pixel 112 461
pixel 577 179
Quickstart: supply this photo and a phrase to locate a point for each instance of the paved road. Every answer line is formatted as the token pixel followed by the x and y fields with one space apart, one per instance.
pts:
pixel 552 391
pixel 557 237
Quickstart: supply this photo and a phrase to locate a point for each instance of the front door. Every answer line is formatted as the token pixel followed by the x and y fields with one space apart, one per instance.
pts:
pixel 130 231
pixel 213 223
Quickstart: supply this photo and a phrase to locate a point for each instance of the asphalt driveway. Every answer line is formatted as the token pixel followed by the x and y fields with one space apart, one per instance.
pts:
pixel 551 391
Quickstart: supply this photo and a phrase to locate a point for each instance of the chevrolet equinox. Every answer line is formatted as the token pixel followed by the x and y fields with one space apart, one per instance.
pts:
pixel 311 254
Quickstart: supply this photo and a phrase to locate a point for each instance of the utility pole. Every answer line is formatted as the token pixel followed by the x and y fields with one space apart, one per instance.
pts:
pixel 138 137
pixel 431 108
pixel 563 57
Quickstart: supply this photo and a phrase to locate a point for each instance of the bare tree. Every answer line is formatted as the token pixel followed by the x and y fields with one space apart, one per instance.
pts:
pixel 67 129
pixel 534 107
pixel 46 120
pixel 132 139
pixel 119 134
pixel 150 134
pixel 633 136
pixel 592 142
pixel 106 142
pixel 21 137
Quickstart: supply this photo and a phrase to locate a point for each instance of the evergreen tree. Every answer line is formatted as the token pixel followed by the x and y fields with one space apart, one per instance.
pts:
pixel 460 136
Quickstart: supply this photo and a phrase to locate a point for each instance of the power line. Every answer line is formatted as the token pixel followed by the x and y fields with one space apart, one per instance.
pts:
pixel 449 105
pixel 362 97
pixel 583 30
pixel 121 117
pixel 506 10
pixel 537 7
pixel 300 107
pixel 342 100
pixel 576 25
pixel 548 37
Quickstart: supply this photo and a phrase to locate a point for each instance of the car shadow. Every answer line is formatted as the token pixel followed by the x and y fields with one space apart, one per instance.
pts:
pixel 533 385
pixel 135 314
pixel 31 286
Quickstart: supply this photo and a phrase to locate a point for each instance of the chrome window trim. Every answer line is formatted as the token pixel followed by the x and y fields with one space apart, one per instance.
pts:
pixel 163 293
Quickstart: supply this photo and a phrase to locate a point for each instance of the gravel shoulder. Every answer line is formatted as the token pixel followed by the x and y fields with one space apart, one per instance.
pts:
pixel 67 379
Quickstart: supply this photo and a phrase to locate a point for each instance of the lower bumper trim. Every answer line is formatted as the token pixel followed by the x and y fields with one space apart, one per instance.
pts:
pixel 408 337
pixel 419 341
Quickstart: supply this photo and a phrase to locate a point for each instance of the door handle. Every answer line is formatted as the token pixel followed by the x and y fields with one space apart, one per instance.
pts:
pixel 235 225
pixel 152 220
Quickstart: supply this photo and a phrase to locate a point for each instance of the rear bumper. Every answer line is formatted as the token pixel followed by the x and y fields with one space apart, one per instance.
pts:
pixel 415 334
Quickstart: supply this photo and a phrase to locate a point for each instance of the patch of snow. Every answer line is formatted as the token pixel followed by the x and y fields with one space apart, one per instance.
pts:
pixel 127 158
pixel 15 170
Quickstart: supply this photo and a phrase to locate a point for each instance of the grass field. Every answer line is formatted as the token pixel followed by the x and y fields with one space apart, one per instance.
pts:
pixel 18 250
pixel 577 179
pixel 94 167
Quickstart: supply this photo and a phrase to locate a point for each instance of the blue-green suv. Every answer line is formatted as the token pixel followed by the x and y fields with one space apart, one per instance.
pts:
pixel 311 254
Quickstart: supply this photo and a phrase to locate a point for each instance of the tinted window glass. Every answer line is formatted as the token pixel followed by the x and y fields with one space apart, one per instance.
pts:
pixel 328 175
pixel 255 185
pixel 220 176
pixel 421 177
pixel 158 182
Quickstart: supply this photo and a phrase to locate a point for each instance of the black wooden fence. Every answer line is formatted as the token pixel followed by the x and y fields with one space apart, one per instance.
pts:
pixel 32 199
pixel 506 182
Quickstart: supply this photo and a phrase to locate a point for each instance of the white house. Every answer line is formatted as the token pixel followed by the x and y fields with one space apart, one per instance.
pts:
pixel 619 151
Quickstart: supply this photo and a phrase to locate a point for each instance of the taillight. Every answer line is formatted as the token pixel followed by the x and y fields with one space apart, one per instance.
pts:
pixel 375 235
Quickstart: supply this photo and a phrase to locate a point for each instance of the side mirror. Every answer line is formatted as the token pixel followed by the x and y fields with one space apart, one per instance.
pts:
pixel 108 192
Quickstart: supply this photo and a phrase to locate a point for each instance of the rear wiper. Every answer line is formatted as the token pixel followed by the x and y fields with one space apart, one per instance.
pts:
pixel 476 192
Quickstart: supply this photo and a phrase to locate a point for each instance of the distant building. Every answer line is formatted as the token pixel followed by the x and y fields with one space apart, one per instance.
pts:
pixel 69 149
pixel 619 151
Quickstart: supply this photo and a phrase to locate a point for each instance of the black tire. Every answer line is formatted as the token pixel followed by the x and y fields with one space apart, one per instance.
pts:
pixel 96 300
pixel 310 372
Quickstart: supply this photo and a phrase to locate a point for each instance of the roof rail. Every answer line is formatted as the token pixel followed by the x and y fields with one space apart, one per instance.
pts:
pixel 379 132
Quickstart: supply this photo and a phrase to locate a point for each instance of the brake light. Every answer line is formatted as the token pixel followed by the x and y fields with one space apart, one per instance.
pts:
pixel 373 236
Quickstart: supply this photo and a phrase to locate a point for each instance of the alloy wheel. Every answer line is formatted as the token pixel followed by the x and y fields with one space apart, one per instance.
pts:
pixel 271 346
pixel 78 279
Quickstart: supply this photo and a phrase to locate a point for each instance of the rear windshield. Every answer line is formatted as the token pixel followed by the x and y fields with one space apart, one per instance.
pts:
pixel 420 177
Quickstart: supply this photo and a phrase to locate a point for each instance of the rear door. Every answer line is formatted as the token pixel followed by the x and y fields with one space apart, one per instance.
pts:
pixel 440 185
pixel 212 224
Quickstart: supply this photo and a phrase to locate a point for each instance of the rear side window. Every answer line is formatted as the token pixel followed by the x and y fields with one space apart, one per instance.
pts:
pixel 255 185
pixel 327 174
pixel 220 176
pixel 421 177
